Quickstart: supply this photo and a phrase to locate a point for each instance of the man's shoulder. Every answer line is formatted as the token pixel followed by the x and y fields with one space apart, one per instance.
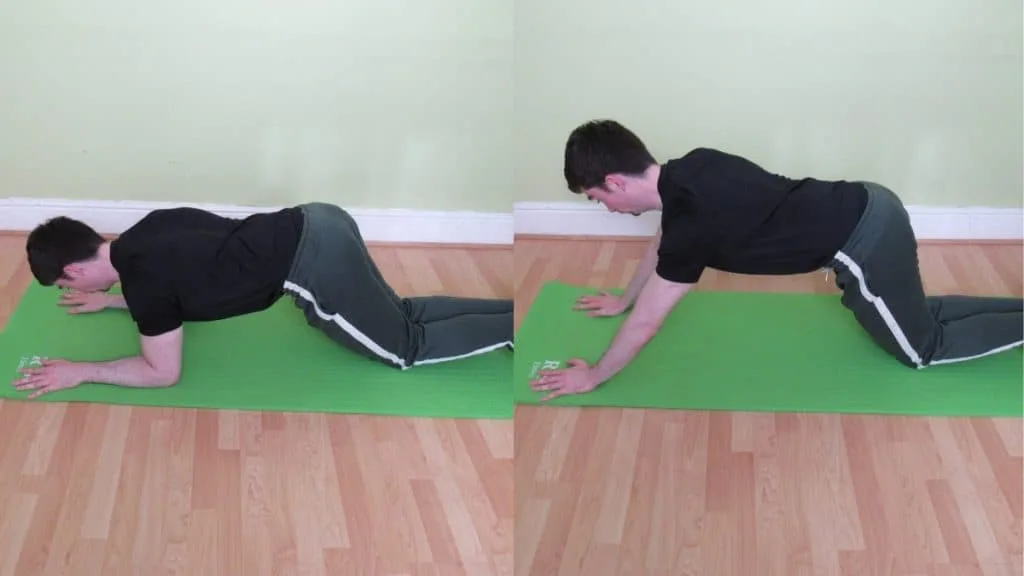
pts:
pixel 698 158
pixel 680 170
pixel 141 248
pixel 675 182
pixel 153 222
pixel 165 226
pixel 177 216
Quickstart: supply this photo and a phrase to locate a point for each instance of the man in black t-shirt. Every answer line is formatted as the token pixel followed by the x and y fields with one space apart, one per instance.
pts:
pixel 189 265
pixel 724 212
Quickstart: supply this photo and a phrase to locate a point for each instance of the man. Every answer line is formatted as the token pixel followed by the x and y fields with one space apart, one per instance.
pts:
pixel 186 264
pixel 722 211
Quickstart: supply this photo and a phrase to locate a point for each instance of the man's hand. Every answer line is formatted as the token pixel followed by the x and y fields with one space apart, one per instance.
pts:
pixel 159 366
pixel 602 304
pixel 80 302
pixel 576 379
pixel 656 300
pixel 50 376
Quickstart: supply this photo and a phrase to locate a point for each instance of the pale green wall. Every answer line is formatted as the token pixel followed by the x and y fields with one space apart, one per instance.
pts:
pixel 922 96
pixel 410 104
pixel 360 102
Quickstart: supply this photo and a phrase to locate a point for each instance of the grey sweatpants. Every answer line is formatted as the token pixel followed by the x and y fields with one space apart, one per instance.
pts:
pixel 877 270
pixel 336 284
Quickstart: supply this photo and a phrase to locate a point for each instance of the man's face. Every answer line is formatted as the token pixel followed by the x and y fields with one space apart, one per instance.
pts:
pixel 620 194
pixel 83 277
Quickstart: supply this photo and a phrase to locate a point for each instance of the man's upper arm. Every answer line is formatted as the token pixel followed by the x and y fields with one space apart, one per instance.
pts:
pixel 163 353
pixel 155 309
pixel 656 300
pixel 682 253
pixel 152 304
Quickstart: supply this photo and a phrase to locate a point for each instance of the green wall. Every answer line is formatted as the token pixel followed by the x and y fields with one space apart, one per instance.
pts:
pixel 922 96
pixel 360 102
pixel 465 104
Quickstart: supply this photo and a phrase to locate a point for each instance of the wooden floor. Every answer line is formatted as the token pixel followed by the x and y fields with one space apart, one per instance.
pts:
pixel 107 490
pixel 622 492
pixel 92 489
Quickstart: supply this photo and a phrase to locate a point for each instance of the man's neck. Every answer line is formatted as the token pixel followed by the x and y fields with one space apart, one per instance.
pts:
pixel 651 177
pixel 103 255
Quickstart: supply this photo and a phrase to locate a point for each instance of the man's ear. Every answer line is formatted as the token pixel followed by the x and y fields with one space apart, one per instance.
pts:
pixel 73 270
pixel 614 183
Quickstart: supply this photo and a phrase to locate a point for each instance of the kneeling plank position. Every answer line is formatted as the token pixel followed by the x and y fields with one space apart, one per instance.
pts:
pixel 724 212
pixel 186 264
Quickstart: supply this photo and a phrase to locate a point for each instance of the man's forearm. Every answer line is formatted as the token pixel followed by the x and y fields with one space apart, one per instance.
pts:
pixel 628 342
pixel 655 301
pixel 644 269
pixel 133 372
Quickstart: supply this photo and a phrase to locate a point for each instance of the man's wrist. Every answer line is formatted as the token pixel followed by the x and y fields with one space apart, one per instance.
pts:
pixel 82 372
pixel 113 301
pixel 626 301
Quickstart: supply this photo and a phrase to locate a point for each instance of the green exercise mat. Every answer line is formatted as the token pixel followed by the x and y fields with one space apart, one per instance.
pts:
pixel 758 352
pixel 271 360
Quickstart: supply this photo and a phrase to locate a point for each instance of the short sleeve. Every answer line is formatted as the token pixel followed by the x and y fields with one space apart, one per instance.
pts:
pixel 682 257
pixel 152 305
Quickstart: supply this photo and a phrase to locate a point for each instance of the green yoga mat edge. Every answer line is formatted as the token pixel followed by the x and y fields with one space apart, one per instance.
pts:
pixel 419 392
pixel 588 338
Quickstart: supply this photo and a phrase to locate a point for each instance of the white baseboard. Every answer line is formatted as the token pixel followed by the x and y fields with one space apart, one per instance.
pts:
pixel 929 222
pixel 376 225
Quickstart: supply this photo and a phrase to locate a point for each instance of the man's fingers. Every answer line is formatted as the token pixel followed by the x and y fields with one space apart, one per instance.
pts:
pixel 593 299
pixel 29 384
pixel 554 372
pixel 29 378
pixel 547 382
pixel 552 396
pixel 541 385
pixel 598 305
pixel 38 393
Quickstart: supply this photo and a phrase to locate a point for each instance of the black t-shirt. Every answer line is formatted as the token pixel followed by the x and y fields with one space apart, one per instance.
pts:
pixel 185 264
pixel 724 212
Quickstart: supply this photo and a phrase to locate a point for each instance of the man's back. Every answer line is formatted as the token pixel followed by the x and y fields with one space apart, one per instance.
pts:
pixel 185 264
pixel 726 212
